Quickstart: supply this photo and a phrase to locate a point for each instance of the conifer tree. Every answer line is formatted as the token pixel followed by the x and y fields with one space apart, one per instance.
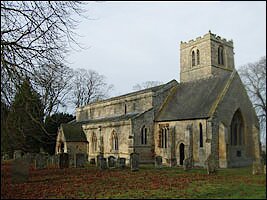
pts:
pixel 25 120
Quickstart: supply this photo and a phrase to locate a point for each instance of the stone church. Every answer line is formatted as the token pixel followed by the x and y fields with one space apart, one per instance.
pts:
pixel 207 113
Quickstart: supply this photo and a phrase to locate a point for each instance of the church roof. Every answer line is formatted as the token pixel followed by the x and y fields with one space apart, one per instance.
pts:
pixel 193 100
pixel 110 119
pixel 73 132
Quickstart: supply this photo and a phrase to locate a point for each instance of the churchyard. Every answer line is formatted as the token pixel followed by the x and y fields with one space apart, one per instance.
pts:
pixel 106 179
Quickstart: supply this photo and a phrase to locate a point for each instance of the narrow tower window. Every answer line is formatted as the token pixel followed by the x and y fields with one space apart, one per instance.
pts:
pixel 220 56
pixel 198 58
pixel 200 135
pixel 193 59
pixel 144 135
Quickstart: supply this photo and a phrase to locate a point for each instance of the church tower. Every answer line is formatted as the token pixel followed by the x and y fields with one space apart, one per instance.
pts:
pixel 205 56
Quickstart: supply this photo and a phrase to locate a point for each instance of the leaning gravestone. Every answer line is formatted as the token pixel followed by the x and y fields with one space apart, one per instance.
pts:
pixel 211 164
pixel 20 169
pixel 103 163
pixel 186 164
pixel 64 160
pixel 41 161
pixel 92 161
pixel 257 168
pixel 18 154
pixel 98 158
pixel 158 162
pixel 80 159
pixel 111 162
pixel 121 162
pixel 134 161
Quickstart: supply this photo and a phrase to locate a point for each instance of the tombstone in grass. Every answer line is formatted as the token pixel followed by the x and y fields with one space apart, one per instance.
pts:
pixel 63 160
pixel 211 164
pixel 121 163
pixel 158 162
pixel 257 167
pixel 103 163
pixel 41 161
pixel 111 162
pixel 186 164
pixel 92 161
pixel 134 161
pixel 5 157
pixel 20 169
pixel 80 159
pixel 98 158
pixel 18 154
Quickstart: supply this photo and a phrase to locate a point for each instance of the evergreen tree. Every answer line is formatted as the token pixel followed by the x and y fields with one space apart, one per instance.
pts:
pixel 52 124
pixel 25 120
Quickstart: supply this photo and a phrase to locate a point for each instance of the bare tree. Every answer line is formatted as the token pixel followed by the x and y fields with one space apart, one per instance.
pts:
pixel 147 84
pixel 54 85
pixel 89 86
pixel 34 33
pixel 253 76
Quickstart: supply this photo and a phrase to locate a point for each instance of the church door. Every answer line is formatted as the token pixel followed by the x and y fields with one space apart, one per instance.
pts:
pixel 181 149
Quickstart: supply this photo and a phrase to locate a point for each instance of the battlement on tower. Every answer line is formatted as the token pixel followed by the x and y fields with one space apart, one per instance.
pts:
pixel 208 36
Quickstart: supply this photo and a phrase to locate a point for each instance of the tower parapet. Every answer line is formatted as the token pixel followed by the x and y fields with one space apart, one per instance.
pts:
pixel 205 56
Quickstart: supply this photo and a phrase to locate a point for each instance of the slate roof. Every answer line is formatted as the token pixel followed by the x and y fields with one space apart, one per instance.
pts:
pixel 151 89
pixel 73 132
pixel 192 100
pixel 110 119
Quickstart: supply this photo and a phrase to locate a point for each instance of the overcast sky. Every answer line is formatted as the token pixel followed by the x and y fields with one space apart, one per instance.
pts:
pixel 134 42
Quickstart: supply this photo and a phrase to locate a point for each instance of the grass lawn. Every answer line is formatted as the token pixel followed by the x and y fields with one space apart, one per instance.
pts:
pixel 148 182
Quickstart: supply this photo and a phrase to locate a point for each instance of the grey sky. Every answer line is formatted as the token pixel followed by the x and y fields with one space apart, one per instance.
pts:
pixel 134 42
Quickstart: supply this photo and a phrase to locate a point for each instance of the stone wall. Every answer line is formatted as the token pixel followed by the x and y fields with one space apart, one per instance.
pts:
pixel 116 106
pixel 208 49
pixel 236 98
pixel 145 150
pixel 122 129
pixel 182 134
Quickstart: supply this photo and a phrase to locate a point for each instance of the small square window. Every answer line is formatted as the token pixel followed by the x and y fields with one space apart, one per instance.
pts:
pixel 238 153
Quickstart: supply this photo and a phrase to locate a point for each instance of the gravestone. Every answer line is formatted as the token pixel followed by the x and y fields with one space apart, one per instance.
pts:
pixel 257 168
pixel 41 161
pixel 72 161
pixel 134 161
pixel 186 164
pixel 111 162
pixel 5 157
pixel 103 163
pixel 18 154
pixel 80 159
pixel 211 164
pixel 63 160
pixel 158 162
pixel 98 158
pixel 121 162
pixel 92 161
pixel 20 169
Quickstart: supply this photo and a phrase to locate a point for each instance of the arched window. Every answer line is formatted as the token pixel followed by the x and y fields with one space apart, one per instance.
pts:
pixel 220 55
pixel 237 129
pixel 166 137
pixel 125 108
pixel 114 141
pixel 200 135
pixel 198 57
pixel 193 59
pixel 94 142
pixel 144 135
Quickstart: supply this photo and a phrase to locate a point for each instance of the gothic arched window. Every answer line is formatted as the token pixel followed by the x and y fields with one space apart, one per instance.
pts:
pixel 220 55
pixel 198 57
pixel 144 135
pixel 237 127
pixel 94 142
pixel 114 141
pixel 193 59
pixel 200 135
